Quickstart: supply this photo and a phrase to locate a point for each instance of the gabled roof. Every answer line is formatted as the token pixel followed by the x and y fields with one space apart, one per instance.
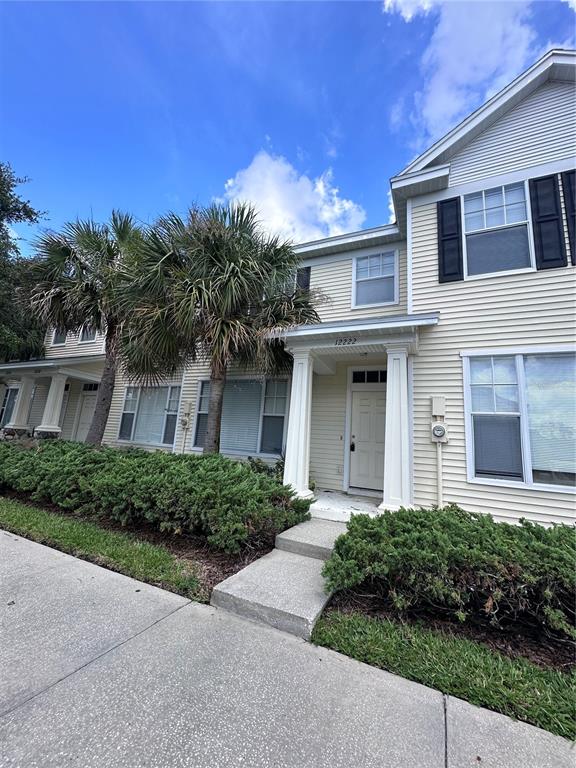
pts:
pixel 555 65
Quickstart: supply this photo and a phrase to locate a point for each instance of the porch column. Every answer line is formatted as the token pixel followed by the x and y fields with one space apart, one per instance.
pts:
pixel 19 420
pixel 297 461
pixel 53 406
pixel 396 440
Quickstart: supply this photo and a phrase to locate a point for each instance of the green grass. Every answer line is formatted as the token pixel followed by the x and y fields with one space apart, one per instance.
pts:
pixel 122 552
pixel 456 666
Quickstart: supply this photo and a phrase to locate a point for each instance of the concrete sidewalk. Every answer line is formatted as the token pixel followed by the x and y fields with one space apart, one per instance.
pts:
pixel 97 669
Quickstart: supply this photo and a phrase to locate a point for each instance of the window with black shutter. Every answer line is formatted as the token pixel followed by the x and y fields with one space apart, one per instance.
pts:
pixel 547 223
pixel 450 266
pixel 568 187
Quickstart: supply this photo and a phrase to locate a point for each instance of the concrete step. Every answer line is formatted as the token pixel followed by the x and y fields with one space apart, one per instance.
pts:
pixel 281 589
pixel 314 538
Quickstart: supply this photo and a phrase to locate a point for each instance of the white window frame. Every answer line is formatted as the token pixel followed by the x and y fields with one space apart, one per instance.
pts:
pixel 3 404
pixel 131 441
pixel 87 341
pixel 378 252
pixel 263 379
pixel 58 343
pixel 528 223
pixel 518 353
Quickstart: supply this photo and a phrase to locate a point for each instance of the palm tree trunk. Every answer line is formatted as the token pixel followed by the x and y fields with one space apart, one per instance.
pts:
pixel 106 388
pixel 215 401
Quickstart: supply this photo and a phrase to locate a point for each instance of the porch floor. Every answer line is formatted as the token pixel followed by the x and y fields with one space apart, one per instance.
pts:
pixel 334 505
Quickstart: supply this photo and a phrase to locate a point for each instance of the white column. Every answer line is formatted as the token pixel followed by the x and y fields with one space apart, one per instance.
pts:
pixel 53 406
pixel 396 440
pixel 297 461
pixel 19 420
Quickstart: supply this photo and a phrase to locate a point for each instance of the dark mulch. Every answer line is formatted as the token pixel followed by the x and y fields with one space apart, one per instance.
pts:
pixel 513 641
pixel 214 565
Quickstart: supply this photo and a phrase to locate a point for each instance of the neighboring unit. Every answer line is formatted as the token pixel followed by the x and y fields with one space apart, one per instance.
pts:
pixel 443 369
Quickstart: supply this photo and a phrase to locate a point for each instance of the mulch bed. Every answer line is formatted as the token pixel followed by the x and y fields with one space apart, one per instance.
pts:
pixel 513 641
pixel 214 566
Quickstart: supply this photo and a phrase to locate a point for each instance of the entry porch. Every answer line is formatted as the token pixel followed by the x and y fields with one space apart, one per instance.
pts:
pixel 49 398
pixel 349 425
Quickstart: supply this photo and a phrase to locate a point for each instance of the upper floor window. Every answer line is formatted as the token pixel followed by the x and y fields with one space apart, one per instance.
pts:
pixel 149 415
pixel 376 280
pixel 522 411
pixel 59 337
pixel 87 334
pixel 496 230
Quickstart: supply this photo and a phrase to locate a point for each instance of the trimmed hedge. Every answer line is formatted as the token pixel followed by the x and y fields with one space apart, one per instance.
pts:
pixel 462 564
pixel 213 496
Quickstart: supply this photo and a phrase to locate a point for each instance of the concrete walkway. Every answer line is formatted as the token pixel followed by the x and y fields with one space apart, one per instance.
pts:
pixel 97 669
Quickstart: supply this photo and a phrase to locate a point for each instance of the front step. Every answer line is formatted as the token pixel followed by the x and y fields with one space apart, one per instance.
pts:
pixel 281 589
pixel 314 538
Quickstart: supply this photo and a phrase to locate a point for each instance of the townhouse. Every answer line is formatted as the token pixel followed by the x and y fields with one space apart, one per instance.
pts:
pixel 443 369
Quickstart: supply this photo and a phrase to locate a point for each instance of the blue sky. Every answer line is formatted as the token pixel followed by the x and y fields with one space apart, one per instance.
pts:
pixel 304 108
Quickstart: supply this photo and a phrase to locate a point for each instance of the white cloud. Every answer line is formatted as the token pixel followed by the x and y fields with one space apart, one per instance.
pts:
pixel 476 48
pixel 293 204
pixel 391 210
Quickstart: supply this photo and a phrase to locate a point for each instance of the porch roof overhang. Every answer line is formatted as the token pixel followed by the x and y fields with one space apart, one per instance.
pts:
pixel 49 366
pixel 330 341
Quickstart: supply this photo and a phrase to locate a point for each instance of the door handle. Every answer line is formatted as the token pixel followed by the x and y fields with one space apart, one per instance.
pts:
pixel 352 446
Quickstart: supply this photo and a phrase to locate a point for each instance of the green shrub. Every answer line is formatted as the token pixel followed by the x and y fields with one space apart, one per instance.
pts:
pixel 462 564
pixel 213 496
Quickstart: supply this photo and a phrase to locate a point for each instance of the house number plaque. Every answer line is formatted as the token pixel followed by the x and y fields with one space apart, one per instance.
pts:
pixel 344 341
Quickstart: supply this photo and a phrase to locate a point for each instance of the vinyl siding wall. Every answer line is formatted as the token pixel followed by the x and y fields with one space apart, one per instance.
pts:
pixel 502 312
pixel 334 279
pixel 541 129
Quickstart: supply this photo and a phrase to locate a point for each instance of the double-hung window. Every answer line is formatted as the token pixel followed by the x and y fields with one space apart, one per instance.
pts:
pixel 59 337
pixel 253 416
pixel 522 417
pixel 496 236
pixel 7 407
pixel 149 415
pixel 376 279
pixel 87 334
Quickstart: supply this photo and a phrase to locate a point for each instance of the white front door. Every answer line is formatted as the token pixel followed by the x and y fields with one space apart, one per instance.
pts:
pixel 367 438
pixel 85 417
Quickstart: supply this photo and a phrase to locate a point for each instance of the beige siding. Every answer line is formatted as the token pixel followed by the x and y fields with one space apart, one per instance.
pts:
pixel 539 130
pixel 68 418
pixel 498 312
pixel 328 421
pixel 73 347
pixel 38 402
pixel 334 279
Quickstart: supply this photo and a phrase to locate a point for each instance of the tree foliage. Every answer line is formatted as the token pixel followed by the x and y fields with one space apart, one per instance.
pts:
pixel 21 335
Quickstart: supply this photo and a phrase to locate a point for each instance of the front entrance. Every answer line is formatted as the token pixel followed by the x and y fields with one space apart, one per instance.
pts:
pixel 87 405
pixel 367 427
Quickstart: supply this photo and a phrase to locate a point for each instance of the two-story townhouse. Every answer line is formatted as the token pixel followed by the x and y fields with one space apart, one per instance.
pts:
pixel 443 368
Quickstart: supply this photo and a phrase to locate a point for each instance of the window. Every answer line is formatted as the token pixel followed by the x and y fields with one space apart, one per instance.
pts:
pixel 368 377
pixel 496 230
pixel 523 418
pixel 253 416
pixel 87 334
pixel 7 407
pixel 375 279
pixel 150 415
pixel 59 337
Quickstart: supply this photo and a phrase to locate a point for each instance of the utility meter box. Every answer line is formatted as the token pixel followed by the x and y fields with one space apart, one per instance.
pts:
pixel 438 432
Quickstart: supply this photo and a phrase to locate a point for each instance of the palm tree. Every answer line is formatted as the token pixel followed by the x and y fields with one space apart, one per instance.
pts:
pixel 82 281
pixel 213 286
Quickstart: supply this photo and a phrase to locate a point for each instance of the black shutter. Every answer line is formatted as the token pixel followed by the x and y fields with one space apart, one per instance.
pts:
pixel 450 264
pixel 547 223
pixel 303 278
pixel 568 186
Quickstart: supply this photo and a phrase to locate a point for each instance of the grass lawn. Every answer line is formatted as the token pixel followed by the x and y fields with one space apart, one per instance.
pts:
pixel 122 552
pixel 456 666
